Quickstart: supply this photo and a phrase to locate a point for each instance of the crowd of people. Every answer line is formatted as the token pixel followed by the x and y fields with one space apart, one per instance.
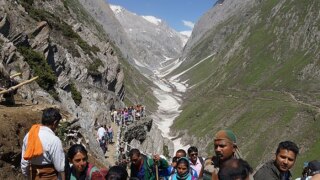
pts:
pixel 43 157
pixel 128 114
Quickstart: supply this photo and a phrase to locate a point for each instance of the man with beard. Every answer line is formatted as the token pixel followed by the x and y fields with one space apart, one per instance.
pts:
pixel 225 147
pixel 279 169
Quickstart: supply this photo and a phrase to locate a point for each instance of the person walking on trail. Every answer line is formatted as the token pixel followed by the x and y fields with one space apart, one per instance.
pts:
pixel 101 138
pixel 183 171
pixel 196 162
pixel 110 134
pixel 143 167
pixel 279 169
pixel 42 153
pixel 225 147
pixel 80 167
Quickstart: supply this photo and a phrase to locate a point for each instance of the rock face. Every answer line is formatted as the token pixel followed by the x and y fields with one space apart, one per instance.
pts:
pixel 104 16
pixel 145 136
pixel 155 41
pixel 47 39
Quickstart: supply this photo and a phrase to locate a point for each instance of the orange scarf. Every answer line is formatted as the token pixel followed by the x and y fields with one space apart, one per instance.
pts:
pixel 34 146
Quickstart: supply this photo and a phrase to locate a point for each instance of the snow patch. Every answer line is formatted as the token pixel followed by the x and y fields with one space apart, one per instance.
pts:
pixel 152 19
pixel 116 9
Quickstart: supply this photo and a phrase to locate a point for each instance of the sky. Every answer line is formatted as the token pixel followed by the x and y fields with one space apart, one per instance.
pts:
pixel 180 15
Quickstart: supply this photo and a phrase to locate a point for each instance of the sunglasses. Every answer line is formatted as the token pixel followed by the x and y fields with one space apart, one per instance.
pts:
pixel 193 154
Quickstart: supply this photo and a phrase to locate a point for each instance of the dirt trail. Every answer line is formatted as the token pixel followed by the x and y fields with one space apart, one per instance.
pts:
pixel 111 154
pixel 15 121
pixel 303 103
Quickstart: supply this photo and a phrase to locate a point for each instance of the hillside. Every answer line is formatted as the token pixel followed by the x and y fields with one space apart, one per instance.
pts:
pixel 258 75
pixel 81 71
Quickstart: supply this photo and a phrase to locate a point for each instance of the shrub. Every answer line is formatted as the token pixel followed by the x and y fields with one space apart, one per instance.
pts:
pixel 41 68
pixel 93 68
pixel 75 94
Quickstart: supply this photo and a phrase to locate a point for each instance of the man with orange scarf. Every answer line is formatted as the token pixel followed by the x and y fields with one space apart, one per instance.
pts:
pixel 42 152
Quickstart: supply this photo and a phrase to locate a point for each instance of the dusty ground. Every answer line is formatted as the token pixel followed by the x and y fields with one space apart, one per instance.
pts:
pixel 15 122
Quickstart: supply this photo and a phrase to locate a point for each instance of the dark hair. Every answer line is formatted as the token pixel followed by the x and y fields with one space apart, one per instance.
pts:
pixel 235 169
pixel 182 152
pixel 117 173
pixel 288 145
pixel 183 160
pixel 175 159
pixel 134 151
pixel 192 149
pixel 74 149
pixel 50 115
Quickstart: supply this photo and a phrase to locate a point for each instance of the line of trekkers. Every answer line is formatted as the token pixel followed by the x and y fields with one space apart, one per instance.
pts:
pixel 43 158
pixel 128 114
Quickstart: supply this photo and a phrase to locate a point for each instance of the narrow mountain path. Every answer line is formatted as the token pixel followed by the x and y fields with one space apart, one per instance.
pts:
pixel 111 154
pixel 301 102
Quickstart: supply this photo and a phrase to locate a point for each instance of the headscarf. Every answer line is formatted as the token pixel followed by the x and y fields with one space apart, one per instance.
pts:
pixel 229 136
pixel 187 175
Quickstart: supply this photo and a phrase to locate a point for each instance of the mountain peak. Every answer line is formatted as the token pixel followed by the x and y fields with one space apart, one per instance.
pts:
pixel 116 9
pixel 152 19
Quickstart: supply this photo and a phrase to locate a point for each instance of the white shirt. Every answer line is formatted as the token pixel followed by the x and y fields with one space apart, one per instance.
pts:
pixel 52 151
pixel 101 132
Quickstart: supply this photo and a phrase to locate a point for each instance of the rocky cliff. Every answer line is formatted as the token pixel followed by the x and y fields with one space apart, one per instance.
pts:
pixel 146 136
pixel 80 68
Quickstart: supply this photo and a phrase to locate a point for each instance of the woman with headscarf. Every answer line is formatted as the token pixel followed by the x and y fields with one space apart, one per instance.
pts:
pixel 183 170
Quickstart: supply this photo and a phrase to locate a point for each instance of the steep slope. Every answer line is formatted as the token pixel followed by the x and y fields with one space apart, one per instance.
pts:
pixel 154 40
pixel 256 72
pixel 81 70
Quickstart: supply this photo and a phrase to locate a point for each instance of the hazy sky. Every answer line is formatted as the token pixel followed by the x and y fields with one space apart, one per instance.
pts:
pixel 181 15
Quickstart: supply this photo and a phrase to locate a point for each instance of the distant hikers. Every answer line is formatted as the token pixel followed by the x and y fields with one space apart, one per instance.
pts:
pixel 80 167
pixel 42 152
pixel 144 167
pixel 110 134
pixel 225 147
pixel 279 169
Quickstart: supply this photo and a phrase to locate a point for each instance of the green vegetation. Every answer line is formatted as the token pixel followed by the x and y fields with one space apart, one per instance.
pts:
pixel 62 131
pixel 93 68
pixel 75 94
pixel 260 83
pixel 41 68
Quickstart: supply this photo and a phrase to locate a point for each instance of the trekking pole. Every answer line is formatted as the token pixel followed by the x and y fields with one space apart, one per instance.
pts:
pixel 156 160
pixel 157 171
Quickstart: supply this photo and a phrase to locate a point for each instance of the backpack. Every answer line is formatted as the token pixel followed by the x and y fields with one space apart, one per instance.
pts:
pixel 95 173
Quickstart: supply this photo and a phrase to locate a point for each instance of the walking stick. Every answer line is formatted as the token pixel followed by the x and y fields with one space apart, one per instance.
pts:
pixel 157 171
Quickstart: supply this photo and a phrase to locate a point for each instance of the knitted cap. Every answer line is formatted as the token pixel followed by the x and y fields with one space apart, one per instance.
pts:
pixel 225 135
